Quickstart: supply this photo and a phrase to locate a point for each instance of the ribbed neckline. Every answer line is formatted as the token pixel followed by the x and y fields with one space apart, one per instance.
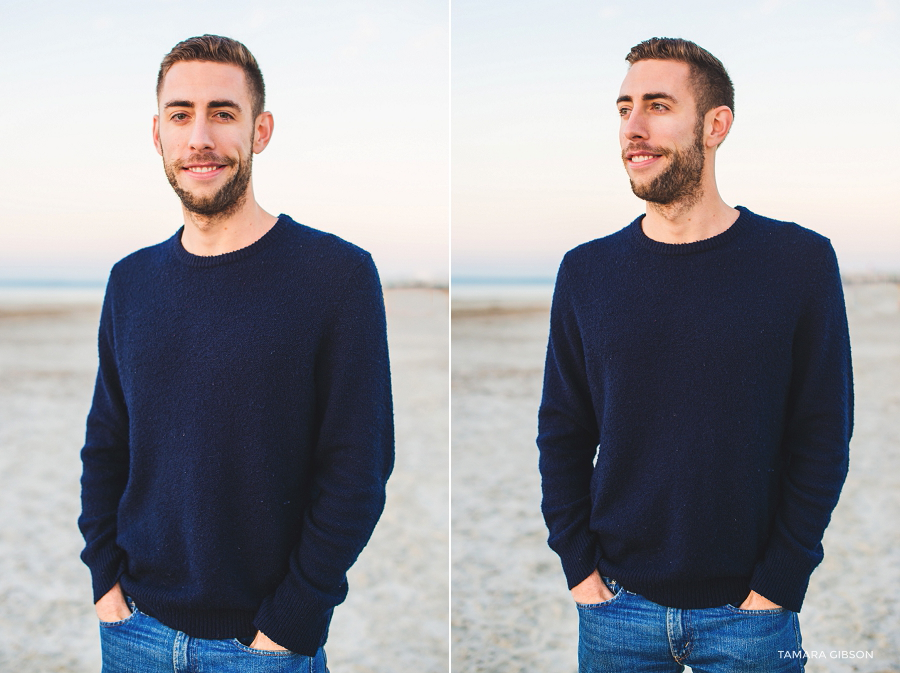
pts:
pixel 201 261
pixel 733 231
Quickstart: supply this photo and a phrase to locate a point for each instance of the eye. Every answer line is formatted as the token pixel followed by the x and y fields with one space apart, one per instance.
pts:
pixel 623 111
pixel 178 117
pixel 658 107
pixel 221 114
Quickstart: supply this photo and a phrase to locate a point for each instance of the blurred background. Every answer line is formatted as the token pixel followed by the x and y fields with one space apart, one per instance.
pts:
pixel 536 165
pixel 358 90
pixel 536 170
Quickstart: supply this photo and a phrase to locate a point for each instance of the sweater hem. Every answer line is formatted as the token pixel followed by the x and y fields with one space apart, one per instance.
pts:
pixel 205 624
pixel 683 594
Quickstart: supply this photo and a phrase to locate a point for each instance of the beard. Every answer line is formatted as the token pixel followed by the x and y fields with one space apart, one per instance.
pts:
pixel 227 199
pixel 680 182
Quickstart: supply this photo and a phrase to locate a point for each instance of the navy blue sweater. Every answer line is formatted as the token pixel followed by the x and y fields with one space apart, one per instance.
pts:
pixel 696 413
pixel 241 434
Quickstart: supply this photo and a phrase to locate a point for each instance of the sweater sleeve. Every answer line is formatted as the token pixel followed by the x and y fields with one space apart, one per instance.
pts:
pixel 818 425
pixel 354 456
pixel 567 439
pixel 104 463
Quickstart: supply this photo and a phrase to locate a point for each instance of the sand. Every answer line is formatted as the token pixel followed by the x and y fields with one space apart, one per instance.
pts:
pixel 511 611
pixel 510 608
pixel 396 615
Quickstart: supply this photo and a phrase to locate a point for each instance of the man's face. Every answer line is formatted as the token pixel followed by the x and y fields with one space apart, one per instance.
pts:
pixel 205 134
pixel 661 134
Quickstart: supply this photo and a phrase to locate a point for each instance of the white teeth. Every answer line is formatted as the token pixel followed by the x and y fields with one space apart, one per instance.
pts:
pixel 202 169
pixel 638 158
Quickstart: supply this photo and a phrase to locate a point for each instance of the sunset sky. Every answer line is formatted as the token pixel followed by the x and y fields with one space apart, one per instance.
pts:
pixel 535 153
pixel 359 93
pixel 380 139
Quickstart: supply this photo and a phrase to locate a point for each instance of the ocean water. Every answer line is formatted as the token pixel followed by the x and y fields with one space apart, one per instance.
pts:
pixel 43 294
pixel 867 296
pixel 502 291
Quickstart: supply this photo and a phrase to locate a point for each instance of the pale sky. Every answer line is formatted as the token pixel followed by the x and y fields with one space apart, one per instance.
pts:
pixel 368 144
pixel 535 152
pixel 359 92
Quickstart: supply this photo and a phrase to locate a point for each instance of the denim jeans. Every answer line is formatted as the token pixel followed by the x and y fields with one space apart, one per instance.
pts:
pixel 141 644
pixel 629 634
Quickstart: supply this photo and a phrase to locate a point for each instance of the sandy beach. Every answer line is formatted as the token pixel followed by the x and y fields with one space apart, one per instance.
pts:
pixel 511 611
pixel 396 616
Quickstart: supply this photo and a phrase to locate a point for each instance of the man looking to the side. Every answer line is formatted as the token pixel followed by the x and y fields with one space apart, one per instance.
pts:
pixel 241 431
pixel 697 404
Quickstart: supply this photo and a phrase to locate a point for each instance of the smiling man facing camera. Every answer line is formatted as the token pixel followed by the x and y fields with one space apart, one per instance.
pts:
pixel 697 403
pixel 241 431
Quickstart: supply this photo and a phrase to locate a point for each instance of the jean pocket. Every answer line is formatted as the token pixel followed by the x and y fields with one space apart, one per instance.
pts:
pixel 263 653
pixel 109 625
pixel 740 611
pixel 613 586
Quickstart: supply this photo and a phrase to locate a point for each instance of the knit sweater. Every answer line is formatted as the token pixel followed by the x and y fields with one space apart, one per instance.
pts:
pixel 696 412
pixel 241 434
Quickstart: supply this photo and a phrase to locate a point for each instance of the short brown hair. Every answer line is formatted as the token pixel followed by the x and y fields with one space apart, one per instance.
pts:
pixel 711 83
pixel 218 49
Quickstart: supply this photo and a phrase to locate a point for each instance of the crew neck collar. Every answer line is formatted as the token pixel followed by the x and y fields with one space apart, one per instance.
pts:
pixel 659 247
pixel 205 261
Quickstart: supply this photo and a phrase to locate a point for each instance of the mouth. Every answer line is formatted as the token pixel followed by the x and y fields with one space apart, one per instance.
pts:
pixel 203 171
pixel 641 158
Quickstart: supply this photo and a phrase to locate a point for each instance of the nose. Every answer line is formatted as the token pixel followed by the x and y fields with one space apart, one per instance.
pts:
pixel 634 126
pixel 201 135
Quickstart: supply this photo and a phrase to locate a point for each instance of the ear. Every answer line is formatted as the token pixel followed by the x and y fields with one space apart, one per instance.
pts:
pixel 717 125
pixel 156 142
pixel 263 128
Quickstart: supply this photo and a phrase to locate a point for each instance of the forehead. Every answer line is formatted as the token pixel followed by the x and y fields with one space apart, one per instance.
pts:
pixel 200 81
pixel 657 76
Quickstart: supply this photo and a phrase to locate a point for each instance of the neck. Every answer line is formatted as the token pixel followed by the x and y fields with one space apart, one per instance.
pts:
pixel 703 216
pixel 219 234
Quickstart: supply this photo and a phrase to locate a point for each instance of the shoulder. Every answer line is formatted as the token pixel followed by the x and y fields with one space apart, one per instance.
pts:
pixel 600 252
pixel 317 259
pixel 321 245
pixel 144 261
pixel 588 266
pixel 793 245
pixel 786 232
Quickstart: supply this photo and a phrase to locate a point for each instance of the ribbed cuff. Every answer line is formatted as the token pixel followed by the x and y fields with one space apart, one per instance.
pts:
pixel 106 566
pixel 783 574
pixel 297 615
pixel 579 555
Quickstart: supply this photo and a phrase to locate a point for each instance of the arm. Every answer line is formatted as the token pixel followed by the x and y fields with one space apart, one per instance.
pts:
pixel 818 425
pixel 105 464
pixel 353 456
pixel 567 439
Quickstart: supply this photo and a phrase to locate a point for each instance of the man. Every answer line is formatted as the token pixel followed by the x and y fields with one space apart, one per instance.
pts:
pixel 241 432
pixel 697 402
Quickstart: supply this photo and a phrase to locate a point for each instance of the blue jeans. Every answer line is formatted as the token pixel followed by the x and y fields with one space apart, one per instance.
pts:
pixel 629 634
pixel 141 644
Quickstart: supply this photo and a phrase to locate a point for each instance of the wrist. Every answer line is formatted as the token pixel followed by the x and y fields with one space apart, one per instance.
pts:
pixel 263 642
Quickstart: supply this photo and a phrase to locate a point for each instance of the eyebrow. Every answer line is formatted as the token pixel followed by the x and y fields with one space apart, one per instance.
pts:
pixel 211 104
pixel 648 96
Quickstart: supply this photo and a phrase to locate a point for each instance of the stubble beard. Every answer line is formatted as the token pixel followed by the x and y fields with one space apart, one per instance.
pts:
pixel 680 184
pixel 227 200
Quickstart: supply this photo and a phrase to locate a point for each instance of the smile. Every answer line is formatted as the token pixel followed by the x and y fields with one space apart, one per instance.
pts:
pixel 641 160
pixel 204 172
